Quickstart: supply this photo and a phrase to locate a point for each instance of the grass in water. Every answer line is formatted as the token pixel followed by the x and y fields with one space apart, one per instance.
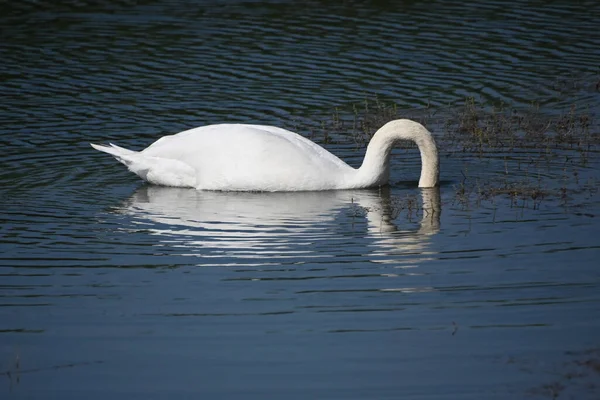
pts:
pixel 525 155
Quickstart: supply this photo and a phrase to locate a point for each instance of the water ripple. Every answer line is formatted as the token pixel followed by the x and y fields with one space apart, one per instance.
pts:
pixel 351 286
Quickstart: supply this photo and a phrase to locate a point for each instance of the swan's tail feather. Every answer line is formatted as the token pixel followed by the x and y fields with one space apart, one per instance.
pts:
pixel 157 170
pixel 121 149
pixel 121 154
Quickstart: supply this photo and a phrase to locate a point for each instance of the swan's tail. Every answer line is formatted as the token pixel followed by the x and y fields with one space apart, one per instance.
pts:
pixel 157 170
pixel 121 154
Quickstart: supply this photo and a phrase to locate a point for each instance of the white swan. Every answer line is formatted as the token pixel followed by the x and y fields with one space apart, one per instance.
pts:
pixel 235 157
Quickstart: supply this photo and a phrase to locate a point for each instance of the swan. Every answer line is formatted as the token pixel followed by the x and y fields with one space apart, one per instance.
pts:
pixel 240 157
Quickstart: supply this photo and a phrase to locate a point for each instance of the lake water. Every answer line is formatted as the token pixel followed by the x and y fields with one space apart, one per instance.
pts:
pixel 110 288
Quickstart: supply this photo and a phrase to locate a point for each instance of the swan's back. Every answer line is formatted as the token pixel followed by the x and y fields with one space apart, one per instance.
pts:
pixel 251 157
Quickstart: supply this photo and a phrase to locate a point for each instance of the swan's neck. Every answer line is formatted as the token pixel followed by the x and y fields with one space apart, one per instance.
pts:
pixel 375 169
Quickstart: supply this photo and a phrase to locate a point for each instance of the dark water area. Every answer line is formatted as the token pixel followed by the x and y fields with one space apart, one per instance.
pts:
pixel 110 288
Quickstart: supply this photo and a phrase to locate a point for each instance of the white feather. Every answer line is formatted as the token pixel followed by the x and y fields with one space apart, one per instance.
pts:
pixel 265 158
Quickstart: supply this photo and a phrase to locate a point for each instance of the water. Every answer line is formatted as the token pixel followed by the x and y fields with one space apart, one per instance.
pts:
pixel 110 288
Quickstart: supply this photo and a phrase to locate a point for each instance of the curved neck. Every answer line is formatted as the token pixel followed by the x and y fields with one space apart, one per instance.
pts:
pixel 375 169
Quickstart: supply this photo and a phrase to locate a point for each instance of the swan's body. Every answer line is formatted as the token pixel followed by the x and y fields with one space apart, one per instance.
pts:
pixel 264 158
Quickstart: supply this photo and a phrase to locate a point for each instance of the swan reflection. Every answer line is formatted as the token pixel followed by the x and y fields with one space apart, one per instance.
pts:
pixel 263 228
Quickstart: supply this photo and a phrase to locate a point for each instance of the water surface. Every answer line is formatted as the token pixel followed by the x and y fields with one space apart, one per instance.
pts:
pixel 112 288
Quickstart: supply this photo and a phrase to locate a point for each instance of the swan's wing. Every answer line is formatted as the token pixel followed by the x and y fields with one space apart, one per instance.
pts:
pixel 227 139
pixel 307 145
pixel 252 157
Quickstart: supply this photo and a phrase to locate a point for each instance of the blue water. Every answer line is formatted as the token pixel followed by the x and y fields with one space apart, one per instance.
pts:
pixel 110 288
